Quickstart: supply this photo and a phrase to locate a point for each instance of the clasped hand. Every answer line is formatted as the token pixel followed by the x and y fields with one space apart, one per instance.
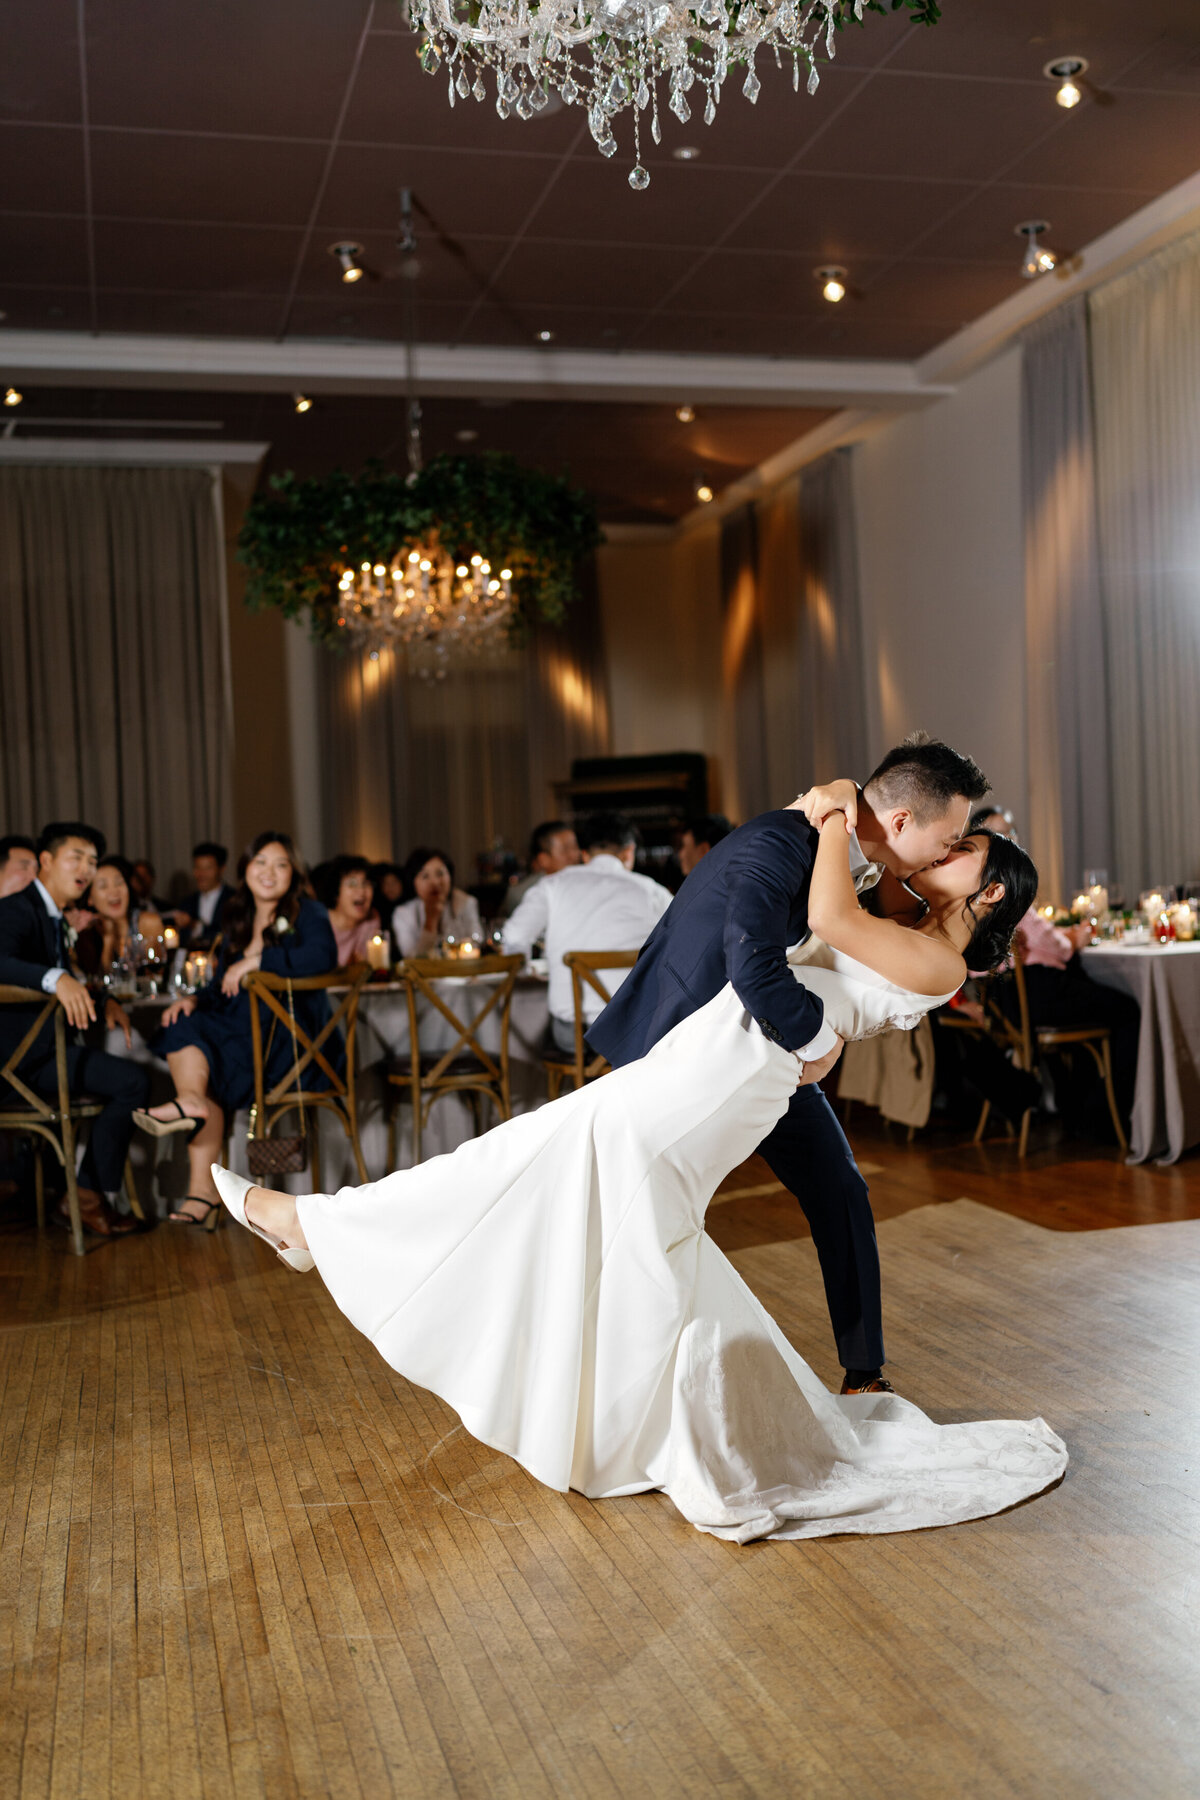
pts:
pixel 819 803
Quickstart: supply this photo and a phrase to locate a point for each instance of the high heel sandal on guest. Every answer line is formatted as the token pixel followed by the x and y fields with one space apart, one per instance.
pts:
pixel 161 1128
pixel 233 1190
pixel 177 1216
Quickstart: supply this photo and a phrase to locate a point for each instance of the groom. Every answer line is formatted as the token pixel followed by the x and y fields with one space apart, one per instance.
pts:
pixel 733 920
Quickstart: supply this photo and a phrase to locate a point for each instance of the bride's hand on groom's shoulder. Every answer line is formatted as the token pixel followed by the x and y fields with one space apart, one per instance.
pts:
pixel 818 803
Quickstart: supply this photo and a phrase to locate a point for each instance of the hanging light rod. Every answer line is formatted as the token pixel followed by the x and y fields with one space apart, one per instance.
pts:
pixel 1066 70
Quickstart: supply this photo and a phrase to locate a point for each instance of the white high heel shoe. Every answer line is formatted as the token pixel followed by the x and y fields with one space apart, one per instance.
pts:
pixel 233 1190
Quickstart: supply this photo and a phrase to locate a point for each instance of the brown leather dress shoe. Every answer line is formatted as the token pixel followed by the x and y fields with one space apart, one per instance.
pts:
pixel 96 1215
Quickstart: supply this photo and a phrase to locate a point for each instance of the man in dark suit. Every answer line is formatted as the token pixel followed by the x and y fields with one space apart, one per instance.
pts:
pixel 199 915
pixel 35 953
pixel 733 920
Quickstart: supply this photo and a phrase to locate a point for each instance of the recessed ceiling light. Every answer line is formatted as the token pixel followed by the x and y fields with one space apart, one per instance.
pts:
pixel 833 282
pixel 685 414
pixel 545 337
pixel 467 435
pixel 1038 259
pixel 702 489
pixel 1066 70
pixel 686 152
pixel 12 397
pixel 302 403
pixel 348 256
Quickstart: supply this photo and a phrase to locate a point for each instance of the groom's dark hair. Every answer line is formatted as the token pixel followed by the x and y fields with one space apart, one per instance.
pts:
pixel 924 775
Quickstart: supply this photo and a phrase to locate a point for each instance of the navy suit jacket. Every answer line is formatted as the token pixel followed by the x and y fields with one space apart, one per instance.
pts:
pixel 28 949
pixel 731 921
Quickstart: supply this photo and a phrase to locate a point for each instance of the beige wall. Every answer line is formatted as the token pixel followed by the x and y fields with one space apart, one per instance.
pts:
pixel 941 561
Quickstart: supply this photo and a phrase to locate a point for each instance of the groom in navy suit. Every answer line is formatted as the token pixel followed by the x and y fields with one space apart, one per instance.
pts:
pixel 733 920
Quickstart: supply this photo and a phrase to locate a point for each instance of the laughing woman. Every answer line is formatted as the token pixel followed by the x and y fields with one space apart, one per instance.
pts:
pixel 269 924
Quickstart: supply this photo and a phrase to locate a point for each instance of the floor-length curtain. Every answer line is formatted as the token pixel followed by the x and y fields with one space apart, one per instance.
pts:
pixel 464 762
pixel 793 637
pixel 114 669
pixel 1070 821
pixel 1145 329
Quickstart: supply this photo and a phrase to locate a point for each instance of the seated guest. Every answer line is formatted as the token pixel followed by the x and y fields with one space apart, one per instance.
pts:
pixel 18 864
pixel 599 905
pixel 269 924
pixel 434 908
pixel 35 953
pixel 113 919
pixel 343 886
pixel 198 916
pixel 552 846
pixel 142 883
pixel 698 837
pixel 388 883
pixel 1061 992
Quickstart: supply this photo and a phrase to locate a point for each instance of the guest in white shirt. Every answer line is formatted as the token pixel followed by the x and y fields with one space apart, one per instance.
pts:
pixel 599 905
pixel 552 846
pixel 435 909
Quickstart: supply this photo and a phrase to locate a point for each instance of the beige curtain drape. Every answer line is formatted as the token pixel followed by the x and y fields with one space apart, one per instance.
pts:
pixel 1145 330
pixel 114 662
pixel 464 762
pixel 1069 827
pixel 792 654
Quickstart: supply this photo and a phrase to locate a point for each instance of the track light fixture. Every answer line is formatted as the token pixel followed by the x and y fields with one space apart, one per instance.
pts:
pixel 348 257
pixel 833 282
pixel 302 403
pixel 1066 70
pixel 545 337
pixel 13 396
pixel 1038 259
pixel 701 490
pixel 685 414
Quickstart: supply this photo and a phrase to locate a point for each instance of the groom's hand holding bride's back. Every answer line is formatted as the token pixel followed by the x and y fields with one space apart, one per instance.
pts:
pixel 812 1072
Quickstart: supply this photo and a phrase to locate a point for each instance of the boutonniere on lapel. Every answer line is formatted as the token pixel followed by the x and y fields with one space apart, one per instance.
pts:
pixel 70 935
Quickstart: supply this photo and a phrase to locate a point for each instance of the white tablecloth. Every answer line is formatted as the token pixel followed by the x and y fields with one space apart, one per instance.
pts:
pixel 1164 979
pixel 160 1165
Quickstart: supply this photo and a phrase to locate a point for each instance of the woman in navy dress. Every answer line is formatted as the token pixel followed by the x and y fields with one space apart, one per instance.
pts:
pixel 269 923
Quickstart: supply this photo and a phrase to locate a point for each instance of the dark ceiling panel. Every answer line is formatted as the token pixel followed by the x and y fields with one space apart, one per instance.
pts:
pixel 960 131
pixel 1015 39
pixel 984 229
pixel 42 252
pixel 199 259
pixel 486 194
pixel 189 315
pixel 151 175
pixel 544 273
pixel 685 204
pixel 1096 150
pixel 829 217
pixel 39 62
pixel 271 67
pixel 41 168
pixel 42 308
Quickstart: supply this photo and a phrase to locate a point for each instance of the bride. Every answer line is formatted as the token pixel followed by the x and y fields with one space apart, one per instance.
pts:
pixel 552 1281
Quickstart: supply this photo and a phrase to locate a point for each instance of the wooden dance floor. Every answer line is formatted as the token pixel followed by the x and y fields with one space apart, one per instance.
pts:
pixel 240 1556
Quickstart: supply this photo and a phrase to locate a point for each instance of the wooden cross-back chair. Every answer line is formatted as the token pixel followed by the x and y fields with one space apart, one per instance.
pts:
pixel 586 967
pixel 466 1067
pixel 312 1050
pixel 49 1121
pixel 1030 1044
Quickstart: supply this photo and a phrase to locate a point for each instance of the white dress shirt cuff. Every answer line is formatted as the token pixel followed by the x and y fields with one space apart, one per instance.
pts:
pixel 51 979
pixel 825 1041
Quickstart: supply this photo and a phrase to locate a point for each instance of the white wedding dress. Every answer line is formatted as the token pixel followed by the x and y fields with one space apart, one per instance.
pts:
pixel 552 1281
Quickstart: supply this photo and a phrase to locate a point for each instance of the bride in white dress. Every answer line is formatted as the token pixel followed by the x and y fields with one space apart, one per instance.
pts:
pixel 552 1280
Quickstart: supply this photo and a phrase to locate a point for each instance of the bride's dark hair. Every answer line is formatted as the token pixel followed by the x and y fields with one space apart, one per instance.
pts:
pixel 992 939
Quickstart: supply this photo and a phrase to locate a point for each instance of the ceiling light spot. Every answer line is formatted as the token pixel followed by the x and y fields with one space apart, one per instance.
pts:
pixel 13 397
pixel 686 152
pixel 302 403
pixel 1066 70
pixel 833 282
pixel 467 435
pixel 685 414
pixel 702 489
pixel 348 256
pixel 1038 259
pixel 545 337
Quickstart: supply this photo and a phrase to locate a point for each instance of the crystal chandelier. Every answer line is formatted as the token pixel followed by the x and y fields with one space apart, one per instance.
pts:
pixel 612 56
pixel 426 603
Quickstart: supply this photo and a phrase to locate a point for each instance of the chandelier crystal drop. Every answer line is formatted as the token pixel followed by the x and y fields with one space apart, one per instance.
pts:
pixel 430 605
pixel 614 56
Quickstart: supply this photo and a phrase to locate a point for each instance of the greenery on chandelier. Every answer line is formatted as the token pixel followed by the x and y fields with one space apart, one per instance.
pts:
pixel 298 538
pixel 924 12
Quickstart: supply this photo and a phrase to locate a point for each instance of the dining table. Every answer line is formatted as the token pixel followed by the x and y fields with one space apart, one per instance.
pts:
pixel 1164 979
pixel 161 1164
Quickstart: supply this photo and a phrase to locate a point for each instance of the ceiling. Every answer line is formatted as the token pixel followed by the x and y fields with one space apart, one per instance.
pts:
pixel 182 168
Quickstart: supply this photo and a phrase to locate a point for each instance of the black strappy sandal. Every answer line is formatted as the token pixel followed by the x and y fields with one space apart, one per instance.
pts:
pixel 161 1128
pixel 175 1217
